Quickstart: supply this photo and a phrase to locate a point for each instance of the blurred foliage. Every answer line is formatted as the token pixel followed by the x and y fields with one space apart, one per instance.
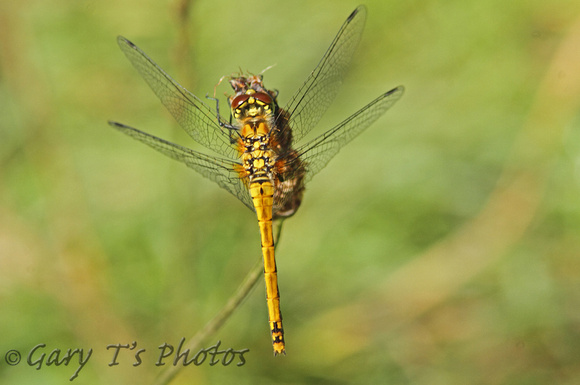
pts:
pixel 443 250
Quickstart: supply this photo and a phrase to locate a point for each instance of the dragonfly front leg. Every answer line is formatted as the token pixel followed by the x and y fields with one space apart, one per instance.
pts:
pixel 234 132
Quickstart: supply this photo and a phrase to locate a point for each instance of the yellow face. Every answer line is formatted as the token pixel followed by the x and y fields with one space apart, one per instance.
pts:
pixel 251 104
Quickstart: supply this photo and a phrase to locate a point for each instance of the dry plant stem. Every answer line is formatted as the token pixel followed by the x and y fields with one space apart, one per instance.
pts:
pixel 183 47
pixel 224 314
pixel 511 206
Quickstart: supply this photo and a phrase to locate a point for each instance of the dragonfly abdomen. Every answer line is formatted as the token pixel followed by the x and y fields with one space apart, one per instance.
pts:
pixel 262 193
pixel 258 160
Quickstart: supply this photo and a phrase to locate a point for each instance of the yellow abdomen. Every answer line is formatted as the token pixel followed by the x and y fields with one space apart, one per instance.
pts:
pixel 262 193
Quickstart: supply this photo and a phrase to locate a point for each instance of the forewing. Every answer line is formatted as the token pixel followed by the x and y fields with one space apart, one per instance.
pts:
pixel 312 100
pixel 222 171
pixel 317 153
pixel 196 118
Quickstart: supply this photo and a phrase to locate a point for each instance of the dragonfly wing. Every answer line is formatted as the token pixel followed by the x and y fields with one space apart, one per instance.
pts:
pixel 312 100
pixel 317 153
pixel 222 171
pixel 196 118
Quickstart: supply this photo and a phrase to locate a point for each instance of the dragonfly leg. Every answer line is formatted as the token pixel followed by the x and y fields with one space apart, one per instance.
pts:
pixel 234 131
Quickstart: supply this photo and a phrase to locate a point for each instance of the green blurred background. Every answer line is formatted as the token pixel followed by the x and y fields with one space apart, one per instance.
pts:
pixel 440 247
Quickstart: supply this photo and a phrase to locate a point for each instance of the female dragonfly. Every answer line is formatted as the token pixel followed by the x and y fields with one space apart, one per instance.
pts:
pixel 260 163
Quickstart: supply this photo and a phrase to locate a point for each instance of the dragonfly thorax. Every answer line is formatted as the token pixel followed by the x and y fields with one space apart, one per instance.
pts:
pixel 257 157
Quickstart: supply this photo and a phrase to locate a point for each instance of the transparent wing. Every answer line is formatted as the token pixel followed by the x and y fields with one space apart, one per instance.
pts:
pixel 222 171
pixel 196 118
pixel 317 153
pixel 320 88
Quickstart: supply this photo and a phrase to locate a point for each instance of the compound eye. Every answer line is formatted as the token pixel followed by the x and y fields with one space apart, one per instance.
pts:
pixel 236 101
pixel 263 97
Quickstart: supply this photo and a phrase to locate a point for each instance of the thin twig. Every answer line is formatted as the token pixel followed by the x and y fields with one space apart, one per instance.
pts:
pixel 183 47
pixel 222 316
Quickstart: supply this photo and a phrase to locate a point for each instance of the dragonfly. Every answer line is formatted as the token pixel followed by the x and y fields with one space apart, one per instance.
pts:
pixel 261 159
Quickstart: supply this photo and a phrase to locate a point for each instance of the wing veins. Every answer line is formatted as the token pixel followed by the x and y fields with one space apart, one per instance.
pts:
pixel 316 94
pixel 193 115
pixel 318 152
pixel 219 170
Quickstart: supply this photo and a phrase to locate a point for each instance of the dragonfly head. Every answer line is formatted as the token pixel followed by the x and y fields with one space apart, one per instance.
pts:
pixel 251 100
